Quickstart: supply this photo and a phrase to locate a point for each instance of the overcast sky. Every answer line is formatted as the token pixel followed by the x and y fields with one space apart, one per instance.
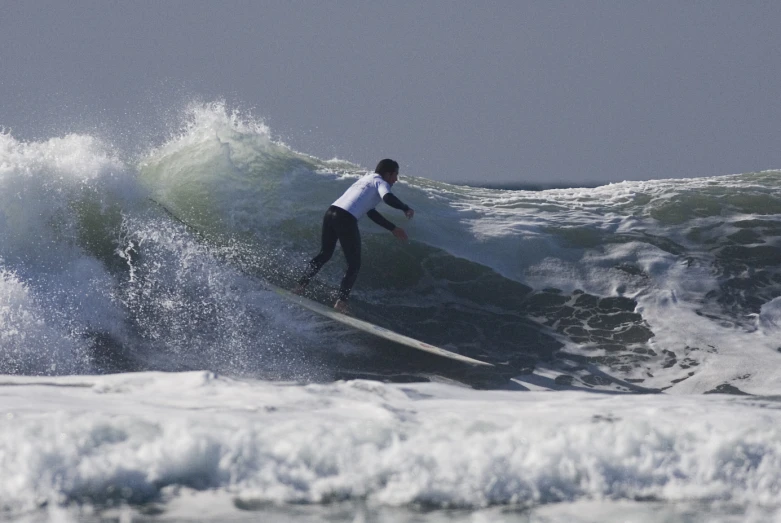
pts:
pixel 526 92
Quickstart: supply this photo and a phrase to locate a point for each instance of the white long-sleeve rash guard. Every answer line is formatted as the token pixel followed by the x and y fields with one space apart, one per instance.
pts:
pixel 364 195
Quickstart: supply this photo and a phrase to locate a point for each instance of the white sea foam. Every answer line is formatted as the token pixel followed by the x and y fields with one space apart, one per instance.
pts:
pixel 770 317
pixel 30 342
pixel 133 437
pixel 48 190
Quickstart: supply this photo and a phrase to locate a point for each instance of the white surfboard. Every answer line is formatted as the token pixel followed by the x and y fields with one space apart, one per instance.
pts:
pixel 370 328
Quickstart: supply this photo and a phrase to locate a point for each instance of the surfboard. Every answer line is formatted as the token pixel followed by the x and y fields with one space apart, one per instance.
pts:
pixel 370 328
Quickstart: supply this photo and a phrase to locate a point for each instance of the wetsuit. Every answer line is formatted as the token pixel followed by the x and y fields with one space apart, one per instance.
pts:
pixel 341 223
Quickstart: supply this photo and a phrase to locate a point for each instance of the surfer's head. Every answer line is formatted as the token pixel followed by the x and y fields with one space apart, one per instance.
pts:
pixel 389 170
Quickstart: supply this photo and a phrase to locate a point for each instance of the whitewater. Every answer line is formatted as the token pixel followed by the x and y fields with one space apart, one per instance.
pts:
pixel 147 373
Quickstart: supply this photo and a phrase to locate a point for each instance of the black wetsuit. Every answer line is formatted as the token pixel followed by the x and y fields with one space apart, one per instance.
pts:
pixel 339 224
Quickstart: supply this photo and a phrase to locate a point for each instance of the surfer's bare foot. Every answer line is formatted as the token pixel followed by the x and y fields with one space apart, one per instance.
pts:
pixel 298 289
pixel 341 306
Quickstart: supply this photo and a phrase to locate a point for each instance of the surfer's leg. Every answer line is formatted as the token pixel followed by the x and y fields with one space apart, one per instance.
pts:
pixel 350 240
pixel 328 239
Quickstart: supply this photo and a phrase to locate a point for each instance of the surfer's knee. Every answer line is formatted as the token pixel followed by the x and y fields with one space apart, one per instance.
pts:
pixel 354 265
pixel 353 256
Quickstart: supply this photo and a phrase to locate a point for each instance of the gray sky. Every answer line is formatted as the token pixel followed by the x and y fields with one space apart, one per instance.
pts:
pixel 526 92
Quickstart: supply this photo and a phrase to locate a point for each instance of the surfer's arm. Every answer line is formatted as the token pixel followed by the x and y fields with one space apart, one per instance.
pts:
pixel 380 220
pixel 390 199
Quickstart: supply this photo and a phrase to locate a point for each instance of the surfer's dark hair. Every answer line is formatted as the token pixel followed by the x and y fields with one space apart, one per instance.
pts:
pixel 387 166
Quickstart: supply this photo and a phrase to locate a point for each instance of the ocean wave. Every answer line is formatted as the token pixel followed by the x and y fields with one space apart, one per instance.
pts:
pixel 161 261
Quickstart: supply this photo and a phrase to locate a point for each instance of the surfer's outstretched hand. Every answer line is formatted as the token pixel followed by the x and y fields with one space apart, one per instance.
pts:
pixel 399 233
pixel 409 213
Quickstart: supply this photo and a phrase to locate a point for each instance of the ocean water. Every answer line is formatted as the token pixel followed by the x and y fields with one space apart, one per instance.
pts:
pixel 148 374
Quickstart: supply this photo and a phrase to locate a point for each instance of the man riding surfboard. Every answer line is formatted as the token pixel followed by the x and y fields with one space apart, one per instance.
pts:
pixel 341 223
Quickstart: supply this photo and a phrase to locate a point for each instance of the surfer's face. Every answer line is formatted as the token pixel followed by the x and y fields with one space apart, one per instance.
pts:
pixel 392 178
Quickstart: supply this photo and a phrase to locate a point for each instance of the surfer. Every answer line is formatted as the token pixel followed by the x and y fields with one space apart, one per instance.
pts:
pixel 341 223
